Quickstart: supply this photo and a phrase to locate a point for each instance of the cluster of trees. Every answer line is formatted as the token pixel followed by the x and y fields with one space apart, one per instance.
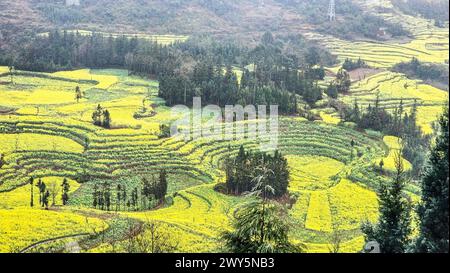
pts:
pixel 350 65
pixel 2 160
pixel 274 79
pixel 341 84
pixel 241 171
pixel 263 225
pixel 424 71
pixel 101 117
pixel 394 229
pixel 188 69
pixel 152 192
pixel 49 191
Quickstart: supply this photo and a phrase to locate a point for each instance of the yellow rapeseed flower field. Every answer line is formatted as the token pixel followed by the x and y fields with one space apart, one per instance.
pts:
pixel 37 142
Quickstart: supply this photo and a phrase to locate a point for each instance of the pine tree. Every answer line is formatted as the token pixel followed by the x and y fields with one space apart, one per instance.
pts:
pixel 97 116
pixel 118 196
pixel 2 160
pixel 12 71
pixel 65 191
pixel 393 230
pixel 106 119
pixel 31 181
pixel 95 196
pixel 162 185
pixel 45 198
pixel 433 210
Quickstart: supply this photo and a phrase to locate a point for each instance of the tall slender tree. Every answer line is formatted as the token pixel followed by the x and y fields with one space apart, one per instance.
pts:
pixel 433 210
pixel 31 182
pixel 65 191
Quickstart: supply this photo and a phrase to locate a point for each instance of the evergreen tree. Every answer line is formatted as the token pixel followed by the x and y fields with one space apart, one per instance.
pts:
pixel 343 81
pixel 433 210
pixel 31 182
pixel 65 191
pixel 118 197
pixel 97 116
pixel 2 160
pixel 106 119
pixel 95 197
pixel 78 94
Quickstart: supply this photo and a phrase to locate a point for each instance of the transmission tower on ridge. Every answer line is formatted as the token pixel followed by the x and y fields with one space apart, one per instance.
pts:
pixel 332 11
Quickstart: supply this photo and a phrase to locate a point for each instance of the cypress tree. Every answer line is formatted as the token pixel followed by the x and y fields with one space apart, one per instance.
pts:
pixel 31 181
pixel 65 191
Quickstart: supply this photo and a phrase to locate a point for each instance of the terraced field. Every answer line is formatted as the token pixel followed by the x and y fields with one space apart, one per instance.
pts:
pixel 428 44
pixel 394 87
pixel 333 182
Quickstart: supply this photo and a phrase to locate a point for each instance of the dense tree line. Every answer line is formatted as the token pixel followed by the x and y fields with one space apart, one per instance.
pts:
pixel 150 193
pixel 393 230
pixel 436 9
pixel 274 79
pixel 241 171
pixel 101 117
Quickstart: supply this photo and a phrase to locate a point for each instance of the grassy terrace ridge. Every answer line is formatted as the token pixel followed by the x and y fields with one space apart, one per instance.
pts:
pixel 163 39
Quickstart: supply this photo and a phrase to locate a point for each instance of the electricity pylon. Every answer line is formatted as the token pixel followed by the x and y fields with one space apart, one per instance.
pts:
pixel 332 11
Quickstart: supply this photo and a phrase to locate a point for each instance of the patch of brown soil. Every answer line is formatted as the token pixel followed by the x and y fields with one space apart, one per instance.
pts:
pixel 362 73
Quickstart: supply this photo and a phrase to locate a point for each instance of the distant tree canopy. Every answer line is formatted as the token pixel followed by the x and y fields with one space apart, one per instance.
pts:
pixel 424 71
pixel 435 9
pixel 242 170
pixel 433 210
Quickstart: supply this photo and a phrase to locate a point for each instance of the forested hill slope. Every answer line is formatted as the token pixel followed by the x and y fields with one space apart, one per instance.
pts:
pixel 219 17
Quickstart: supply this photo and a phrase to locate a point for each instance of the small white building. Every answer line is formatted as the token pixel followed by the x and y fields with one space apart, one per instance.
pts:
pixel 72 2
